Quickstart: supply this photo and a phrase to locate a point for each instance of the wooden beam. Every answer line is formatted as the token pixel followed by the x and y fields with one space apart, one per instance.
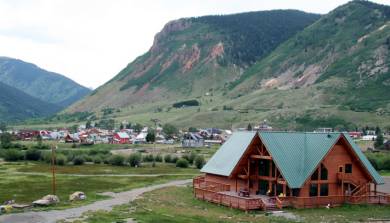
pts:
pixel 261 157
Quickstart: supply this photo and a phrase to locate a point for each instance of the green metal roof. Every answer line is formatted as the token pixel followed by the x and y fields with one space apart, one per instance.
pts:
pixel 296 154
pixel 378 179
pixel 225 159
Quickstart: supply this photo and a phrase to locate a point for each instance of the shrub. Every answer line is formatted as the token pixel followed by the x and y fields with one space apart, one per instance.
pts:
pixel 97 160
pixel 158 158
pixel 41 146
pixel 33 154
pixel 13 155
pixel 174 159
pixel 88 158
pixel 61 159
pixel 168 158
pixel 78 160
pixel 117 160
pixel 182 163
pixel 199 162
pixel 191 157
pixel 373 162
pixel 46 157
pixel 135 159
pixel 386 164
pixel 148 158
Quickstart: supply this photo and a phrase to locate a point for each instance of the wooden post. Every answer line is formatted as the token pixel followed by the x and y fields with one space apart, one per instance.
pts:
pixel 53 168
pixel 249 164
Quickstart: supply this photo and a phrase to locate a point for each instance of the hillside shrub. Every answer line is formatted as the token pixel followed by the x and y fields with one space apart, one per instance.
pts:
pixel 135 159
pixel 187 103
pixel 61 159
pixel 33 154
pixel 148 158
pixel 182 163
pixel 97 160
pixel 78 160
pixel 117 160
pixel 13 155
pixel 168 158
pixel 158 158
pixel 199 162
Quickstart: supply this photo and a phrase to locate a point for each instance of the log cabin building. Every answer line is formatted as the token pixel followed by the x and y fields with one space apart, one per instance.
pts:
pixel 272 170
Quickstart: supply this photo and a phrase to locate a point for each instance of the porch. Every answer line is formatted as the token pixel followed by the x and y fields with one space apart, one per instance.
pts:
pixel 221 194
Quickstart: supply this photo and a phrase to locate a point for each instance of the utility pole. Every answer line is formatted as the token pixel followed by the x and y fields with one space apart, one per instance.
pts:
pixel 53 168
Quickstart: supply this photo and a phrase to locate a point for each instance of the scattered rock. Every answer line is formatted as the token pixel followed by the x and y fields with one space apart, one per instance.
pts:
pixel 47 200
pixel 77 196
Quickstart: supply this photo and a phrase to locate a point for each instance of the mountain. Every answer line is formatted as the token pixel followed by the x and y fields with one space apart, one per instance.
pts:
pixel 190 56
pixel 16 105
pixel 47 86
pixel 292 68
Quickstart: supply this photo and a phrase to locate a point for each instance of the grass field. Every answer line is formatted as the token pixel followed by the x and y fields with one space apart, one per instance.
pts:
pixel 146 168
pixel 19 182
pixel 177 204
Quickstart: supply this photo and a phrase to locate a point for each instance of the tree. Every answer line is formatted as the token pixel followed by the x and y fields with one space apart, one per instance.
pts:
pixel 5 139
pixel 3 126
pixel 137 127
pixel 169 130
pixel 135 159
pixel 379 140
pixel 74 128
pixel 199 162
pixel 121 126
pixel 192 129
pixel 151 136
pixel 249 127
pixel 88 124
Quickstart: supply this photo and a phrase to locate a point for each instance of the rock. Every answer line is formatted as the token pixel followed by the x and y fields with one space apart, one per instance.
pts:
pixel 77 196
pixel 47 200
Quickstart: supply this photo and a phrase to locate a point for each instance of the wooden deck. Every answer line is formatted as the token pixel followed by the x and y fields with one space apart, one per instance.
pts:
pixel 221 194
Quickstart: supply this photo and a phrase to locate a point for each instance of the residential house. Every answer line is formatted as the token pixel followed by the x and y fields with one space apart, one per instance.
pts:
pixel 72 138
pixel 121 138
pixel 272 170
pixel 191 140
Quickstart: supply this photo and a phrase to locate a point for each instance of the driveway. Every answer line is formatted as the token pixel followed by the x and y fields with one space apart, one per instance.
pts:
pixel 56 215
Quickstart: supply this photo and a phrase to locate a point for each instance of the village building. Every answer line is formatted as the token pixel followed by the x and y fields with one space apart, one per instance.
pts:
pixel 192 140
pixel 121 138
pixel 272 170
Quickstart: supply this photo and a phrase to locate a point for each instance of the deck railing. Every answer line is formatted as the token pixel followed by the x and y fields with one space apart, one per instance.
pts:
pixel 200 182
pixel 228 200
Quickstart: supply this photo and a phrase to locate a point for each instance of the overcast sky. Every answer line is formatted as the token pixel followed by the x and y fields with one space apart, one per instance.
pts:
pixel 90 41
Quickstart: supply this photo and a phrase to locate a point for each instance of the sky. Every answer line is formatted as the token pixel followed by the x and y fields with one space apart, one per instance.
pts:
pixel 90 41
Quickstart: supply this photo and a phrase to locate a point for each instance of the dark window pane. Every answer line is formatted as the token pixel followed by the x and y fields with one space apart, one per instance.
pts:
pixel 313 190
pixel 340 169
pixel 264 168
pixel 348 168
pixel 324 173
pixel 315 175
pixel 324 190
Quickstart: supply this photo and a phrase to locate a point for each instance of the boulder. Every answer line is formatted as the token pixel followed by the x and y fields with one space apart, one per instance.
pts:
pixel 77 196
pixel 47 200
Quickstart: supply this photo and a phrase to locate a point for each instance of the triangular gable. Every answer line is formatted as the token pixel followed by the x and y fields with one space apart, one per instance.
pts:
pixel 225 159
pixel 297 154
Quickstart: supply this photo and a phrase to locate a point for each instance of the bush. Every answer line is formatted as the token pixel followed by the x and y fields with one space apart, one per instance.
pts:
pixel 373 162
pixel 13 155
pixel 41 146
pixel 191 158
pixel 135 159
pixel 117 160
pixel 182 163
pixel 61 159
pixel 148 158
pixel 168 158
pixel 88 158
pixel 78 160
pixel 33 154
pixel 386 164
pixel 199 162
pixel 46 157
pixel 158 158
pixel 174 159
pixel 97 160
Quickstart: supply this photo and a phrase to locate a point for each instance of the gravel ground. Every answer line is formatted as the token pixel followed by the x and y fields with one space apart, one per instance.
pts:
pixel 56 215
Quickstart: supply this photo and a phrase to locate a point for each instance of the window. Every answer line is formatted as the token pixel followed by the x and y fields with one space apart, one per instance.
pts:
pixel 324 172
pixel 295 192
pixel 315 175
pixel 340 169
pixel 264 167
pixel 273 169
pixel 348 168
pixel 324 190
pixel 313 190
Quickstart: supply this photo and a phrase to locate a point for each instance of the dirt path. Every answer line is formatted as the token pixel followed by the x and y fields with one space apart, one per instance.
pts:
pixel 56 215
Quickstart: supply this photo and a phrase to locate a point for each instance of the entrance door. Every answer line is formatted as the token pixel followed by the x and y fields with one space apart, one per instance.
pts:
pixel 263 187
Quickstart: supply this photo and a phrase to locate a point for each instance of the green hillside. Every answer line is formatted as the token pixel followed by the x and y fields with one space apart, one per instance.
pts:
pixel 16 105
pixel 44 85
pixel 327 72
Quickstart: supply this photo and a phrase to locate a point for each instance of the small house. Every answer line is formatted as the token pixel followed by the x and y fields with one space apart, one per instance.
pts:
pixel 272 170
pixel 191 140
pixel 121 138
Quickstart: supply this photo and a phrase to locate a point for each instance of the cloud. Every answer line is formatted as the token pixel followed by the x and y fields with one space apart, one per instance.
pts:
pixel 90 41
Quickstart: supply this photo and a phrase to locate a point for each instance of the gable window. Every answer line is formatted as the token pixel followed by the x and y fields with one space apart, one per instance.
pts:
pixel 314 176
pixel 324 190
pixel 340 169
pixel 348 168
pixel 313 190
pixel 324 172
pixel 264 168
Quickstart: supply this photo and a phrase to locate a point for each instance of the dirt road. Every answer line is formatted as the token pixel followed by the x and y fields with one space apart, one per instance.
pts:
pixel 55 215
